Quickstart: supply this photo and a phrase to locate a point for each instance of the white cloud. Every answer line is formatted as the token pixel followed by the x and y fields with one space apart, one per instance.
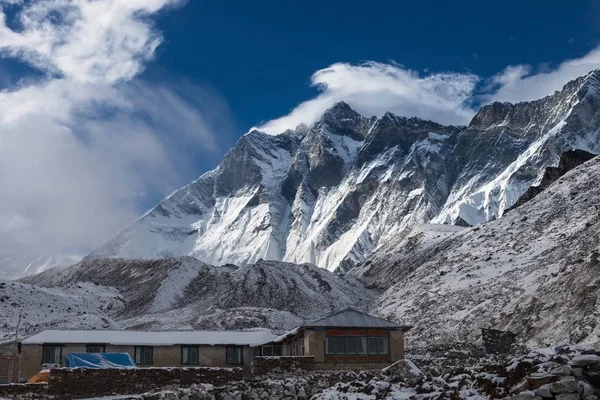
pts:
pixel 374 88
pixel 79 144
pixel 448 98
pixel 85 40
pixel 522 83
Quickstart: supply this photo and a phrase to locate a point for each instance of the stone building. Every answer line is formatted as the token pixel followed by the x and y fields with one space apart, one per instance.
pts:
pixel 48 349
pixel 348 339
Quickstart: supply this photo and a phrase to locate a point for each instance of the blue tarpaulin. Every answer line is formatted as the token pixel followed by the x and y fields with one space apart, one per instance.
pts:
pixel 100 360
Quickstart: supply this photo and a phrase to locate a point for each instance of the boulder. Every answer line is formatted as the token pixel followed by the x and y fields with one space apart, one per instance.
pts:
pixel 586 359
pixel 537 380
pixel 544 391
pixel 562 370
pixel 584 389
pixel 564 386
pixel 567 396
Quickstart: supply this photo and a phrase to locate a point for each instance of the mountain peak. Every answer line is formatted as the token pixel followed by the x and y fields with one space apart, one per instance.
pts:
pixel 340 111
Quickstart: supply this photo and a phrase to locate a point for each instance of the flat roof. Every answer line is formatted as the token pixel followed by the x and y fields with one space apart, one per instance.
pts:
pixel 145 338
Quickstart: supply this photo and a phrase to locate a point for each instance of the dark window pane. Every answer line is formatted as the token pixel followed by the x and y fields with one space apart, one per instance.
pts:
pixel 340 345
pixel 143 355
pixel 51 354
pixel 330 345
pixel 194 357
pixel 257 351
pixel 277 351
pixel 185 355
pixel 384 347
pixel 234 356
pixel 267 351
pixel 372 345
pixel 352 345
pixel 95 348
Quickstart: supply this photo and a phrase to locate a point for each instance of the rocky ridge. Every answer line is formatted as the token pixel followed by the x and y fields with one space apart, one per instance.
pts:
pixel 333 193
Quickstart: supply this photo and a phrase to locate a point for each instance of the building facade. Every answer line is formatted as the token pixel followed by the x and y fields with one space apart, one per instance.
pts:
pixel 48 349
pixel 347 339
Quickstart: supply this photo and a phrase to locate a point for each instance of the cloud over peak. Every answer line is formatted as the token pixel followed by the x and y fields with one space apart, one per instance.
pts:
pixel 373 88
pixel 451 98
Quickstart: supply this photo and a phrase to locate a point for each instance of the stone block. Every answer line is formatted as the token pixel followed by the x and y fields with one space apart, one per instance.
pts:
pixel 564 386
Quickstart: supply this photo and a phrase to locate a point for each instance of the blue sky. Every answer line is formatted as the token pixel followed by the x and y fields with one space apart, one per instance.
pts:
pixel 260 55
pixel 109 105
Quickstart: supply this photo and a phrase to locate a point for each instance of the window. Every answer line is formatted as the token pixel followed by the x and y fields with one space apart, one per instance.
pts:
pixel 330 347
pixel 340 344
pixel 352 345
pixel 362 345
pixel 190 355
pixel 235 355
pixel 272 351
pixel 373 345
pixel 357 345
pixel 384 345
pixel 95 348
pixel 51 354
pixel 143 355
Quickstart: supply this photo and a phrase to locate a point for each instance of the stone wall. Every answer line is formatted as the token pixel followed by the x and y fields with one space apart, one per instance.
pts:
pixel 287 364
pixel 24 391
pixel 81 383
pixel 497 342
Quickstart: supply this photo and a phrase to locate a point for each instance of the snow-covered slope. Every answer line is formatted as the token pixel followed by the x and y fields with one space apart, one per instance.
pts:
pixel 333 193
pixel 75 306
pixel 535 271
pixel 183 292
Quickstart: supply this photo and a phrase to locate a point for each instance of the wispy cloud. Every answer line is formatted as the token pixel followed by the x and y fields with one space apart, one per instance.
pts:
pixel 374 88
pixel 78 143
pixel 523 82
pixel 449 98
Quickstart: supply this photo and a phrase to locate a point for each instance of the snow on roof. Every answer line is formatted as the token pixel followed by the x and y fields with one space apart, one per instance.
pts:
pixel 142 338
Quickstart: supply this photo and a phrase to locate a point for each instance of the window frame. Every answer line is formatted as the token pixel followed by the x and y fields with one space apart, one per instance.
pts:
pixel 196 348
pixel 234 348
pixel 362 347
pixel 53 345
pixel 87 347
pixel 135 352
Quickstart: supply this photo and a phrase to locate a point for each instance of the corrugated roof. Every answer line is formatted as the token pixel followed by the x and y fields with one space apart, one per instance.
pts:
pixel 350 318
pixel 142 338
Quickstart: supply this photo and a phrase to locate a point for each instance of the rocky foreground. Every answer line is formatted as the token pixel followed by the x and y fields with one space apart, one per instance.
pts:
pixel 562 373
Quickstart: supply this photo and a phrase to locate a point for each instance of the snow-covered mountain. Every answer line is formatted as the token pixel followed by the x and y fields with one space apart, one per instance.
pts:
pixel 332 193
pixel 534 271
pixel 178 293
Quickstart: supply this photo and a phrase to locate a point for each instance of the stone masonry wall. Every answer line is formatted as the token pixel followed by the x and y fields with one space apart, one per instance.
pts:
pixel 81 383
pixel 24 391
pixel 269 365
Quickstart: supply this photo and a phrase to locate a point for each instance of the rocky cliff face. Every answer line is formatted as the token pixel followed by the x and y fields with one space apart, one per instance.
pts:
pixel 533 272
pixel 332 193
pixel 569 160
